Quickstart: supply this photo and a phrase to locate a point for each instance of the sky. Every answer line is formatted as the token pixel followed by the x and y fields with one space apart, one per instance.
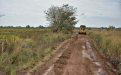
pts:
pixel 92 13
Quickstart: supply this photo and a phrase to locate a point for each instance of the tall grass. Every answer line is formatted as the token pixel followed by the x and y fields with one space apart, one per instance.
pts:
pixel 109 44
pixel 26 46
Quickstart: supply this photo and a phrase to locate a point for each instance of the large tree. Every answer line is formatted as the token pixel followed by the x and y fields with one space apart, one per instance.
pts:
pixel 27 26
pixel 61 18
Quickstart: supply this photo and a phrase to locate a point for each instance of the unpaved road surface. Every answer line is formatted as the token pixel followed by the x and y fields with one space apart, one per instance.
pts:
pixel 76 57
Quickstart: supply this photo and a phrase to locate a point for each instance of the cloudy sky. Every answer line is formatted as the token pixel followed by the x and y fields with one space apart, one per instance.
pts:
pixel 92 13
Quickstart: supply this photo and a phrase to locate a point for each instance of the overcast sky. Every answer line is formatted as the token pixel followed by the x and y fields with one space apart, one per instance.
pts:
pixel 92 13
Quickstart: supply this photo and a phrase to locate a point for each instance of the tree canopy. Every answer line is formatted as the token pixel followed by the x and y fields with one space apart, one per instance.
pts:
pixel 61 18
pixel 27 26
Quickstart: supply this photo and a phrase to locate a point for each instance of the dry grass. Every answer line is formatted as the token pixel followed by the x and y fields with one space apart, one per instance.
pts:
pixel 109 44
pixel 26 46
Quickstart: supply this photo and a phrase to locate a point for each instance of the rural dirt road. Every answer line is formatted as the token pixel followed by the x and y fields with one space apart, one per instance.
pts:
pixel 76 57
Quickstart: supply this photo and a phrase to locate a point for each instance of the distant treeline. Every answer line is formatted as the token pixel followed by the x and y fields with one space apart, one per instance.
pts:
pixel 27 26
pixel 97 27
pixel 40 26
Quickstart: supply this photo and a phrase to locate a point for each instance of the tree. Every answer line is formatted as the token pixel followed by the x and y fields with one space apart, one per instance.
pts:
pixel 40 26
pixel 61 18
pixel 111 27
pixel 1 26
pixel 28 26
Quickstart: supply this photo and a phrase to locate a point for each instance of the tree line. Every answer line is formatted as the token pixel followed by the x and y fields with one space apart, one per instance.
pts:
pixel 27 26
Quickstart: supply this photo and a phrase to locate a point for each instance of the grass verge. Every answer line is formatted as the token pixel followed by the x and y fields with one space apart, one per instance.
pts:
pixel 109 44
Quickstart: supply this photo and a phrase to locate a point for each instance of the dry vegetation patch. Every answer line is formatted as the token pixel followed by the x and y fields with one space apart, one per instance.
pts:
pixel 23 47
pixel 109 44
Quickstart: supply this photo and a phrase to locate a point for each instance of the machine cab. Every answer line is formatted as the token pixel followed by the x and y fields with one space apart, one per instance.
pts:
pixel 82 29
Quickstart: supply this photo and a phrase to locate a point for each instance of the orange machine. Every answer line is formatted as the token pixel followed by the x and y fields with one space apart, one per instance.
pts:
pixel 82 29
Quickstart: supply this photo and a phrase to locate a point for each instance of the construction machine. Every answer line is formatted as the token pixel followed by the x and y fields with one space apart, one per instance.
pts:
pixel 82 29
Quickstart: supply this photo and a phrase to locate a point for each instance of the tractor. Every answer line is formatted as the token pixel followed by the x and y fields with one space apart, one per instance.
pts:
pixel 82 29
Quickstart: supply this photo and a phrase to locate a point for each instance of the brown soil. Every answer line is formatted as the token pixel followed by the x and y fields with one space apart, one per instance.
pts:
pixel 79 57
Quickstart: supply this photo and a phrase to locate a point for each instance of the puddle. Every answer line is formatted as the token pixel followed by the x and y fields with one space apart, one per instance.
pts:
pixel 100 72
pixel 97 63
pixel 49 69
pixel 85 54
pixel 92 54
pixel 88 56
pixel 83 47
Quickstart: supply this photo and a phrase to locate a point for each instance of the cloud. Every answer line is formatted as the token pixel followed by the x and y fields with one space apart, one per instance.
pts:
pixel 82 14
pixel 2 15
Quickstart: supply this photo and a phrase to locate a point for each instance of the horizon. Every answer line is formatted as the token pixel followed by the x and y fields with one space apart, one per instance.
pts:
pixel 48 26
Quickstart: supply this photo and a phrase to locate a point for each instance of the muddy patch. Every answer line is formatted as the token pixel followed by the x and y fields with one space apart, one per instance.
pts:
pixel 100 72
pixel 92 56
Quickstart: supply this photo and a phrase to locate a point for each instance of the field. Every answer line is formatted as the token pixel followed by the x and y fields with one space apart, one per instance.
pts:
pixel 19 48
pixel 108 43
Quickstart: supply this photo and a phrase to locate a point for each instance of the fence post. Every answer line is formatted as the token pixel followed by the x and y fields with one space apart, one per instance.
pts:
pixel 2 46
pixel 7 45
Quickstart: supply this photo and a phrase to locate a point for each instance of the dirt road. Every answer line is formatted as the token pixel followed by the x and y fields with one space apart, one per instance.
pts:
pixel 76 57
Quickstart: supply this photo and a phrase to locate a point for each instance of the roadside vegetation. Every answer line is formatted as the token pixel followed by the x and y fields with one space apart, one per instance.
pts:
pixel 108 41
pixel 22 47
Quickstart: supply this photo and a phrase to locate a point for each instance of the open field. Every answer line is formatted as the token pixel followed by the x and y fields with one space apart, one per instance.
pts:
pixel 12 36
pixel 24 47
